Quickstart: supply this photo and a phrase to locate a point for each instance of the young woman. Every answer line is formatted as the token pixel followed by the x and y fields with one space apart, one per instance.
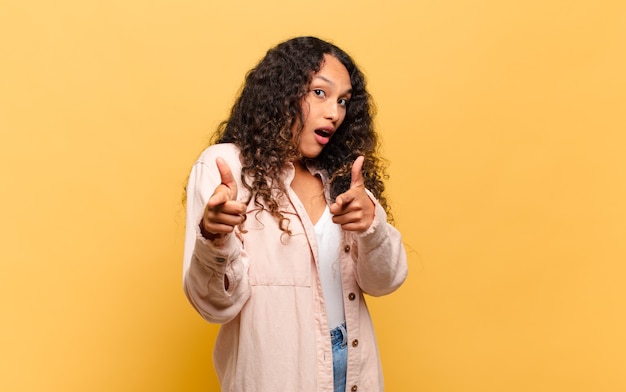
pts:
pixel 287 228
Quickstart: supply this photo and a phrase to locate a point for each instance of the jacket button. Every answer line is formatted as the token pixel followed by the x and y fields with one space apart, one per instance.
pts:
pixel 346 248
pixel 351 296
pixel 355 342
pixel 354 388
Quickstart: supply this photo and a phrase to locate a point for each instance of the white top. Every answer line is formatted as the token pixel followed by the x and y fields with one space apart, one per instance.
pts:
pixel 328 236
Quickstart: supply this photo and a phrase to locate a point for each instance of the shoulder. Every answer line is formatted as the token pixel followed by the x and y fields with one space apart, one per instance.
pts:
pixel 205 168
pixel 205 172
pixel 228 151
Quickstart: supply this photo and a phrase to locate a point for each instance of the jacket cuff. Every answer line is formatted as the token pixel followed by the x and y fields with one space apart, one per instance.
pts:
pixel 218 253
pixel 380 217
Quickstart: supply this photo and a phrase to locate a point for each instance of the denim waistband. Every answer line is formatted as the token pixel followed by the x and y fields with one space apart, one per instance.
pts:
pixel 339 335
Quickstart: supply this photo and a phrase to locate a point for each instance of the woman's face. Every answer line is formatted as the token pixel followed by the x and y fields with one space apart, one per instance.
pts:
pixel 324 106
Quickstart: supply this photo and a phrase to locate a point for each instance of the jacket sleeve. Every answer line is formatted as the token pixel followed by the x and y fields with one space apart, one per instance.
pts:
pixel 381 263
pixel 209 264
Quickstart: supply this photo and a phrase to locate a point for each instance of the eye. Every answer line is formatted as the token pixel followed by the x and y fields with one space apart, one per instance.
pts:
pixel 319 93
pixel 343 101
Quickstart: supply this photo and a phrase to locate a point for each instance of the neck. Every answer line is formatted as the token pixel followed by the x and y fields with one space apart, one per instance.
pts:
pixel 299 165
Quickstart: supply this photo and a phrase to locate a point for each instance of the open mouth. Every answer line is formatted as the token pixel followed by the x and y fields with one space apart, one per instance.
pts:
pixel 323 136
pixel 323 133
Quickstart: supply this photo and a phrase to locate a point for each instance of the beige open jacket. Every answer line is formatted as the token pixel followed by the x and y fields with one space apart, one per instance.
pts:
pixel 274 334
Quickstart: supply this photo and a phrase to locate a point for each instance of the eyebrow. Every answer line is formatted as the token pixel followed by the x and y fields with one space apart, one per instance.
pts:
pixel 349 91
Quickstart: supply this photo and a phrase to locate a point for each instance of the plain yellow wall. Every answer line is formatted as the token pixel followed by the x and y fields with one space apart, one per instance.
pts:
pixel 504 122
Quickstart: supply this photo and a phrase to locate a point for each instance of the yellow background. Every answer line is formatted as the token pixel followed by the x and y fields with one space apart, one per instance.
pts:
pixel 504 122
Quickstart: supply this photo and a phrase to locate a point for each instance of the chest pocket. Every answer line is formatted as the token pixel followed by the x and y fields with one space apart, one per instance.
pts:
pixel 277 259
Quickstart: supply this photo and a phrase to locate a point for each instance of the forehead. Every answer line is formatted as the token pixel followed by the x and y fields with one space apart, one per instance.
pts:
pixel 333 72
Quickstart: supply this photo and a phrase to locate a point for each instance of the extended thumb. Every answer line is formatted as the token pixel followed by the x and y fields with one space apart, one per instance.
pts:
pixel 357 175
pixel 226 177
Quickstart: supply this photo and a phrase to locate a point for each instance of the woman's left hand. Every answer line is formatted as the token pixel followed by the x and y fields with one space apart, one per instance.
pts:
pixel 353 209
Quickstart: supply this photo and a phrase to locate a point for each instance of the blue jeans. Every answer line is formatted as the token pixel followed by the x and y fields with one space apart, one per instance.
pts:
pixel 339 341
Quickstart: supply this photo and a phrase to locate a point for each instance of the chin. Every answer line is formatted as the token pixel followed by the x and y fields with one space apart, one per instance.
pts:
pixel 311 155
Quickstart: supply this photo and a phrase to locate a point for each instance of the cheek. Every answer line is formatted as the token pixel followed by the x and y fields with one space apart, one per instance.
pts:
pixel 341 118
pixel 305 107
pixel 299 124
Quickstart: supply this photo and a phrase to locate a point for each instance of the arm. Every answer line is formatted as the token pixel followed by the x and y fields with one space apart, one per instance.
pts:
pixel 215 271
pixel 377 248
pixel 380 258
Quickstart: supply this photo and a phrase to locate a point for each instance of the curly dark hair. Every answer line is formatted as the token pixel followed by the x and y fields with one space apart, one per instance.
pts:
pixel 263 117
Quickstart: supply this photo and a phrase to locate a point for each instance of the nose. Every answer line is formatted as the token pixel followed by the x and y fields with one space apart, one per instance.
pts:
pixel 332 111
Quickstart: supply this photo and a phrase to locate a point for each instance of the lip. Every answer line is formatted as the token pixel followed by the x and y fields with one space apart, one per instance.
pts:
pixel 323 134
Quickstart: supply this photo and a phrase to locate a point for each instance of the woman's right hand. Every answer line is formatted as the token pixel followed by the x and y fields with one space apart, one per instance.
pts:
pixel 222 212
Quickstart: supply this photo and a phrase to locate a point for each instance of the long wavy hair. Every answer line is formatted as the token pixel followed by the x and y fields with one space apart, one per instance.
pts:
pixel 263 118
